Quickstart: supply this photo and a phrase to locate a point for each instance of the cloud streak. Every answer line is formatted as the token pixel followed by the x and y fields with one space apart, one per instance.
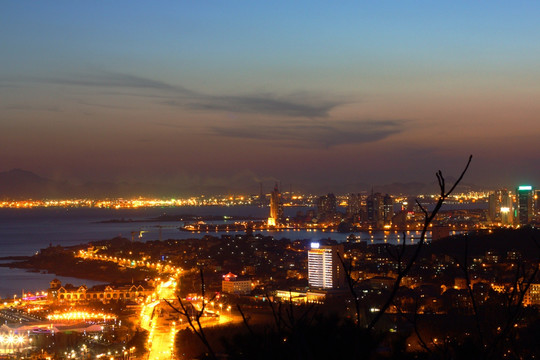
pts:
pixel 110 80
pixel 316 134
pixel 266 104
pixel 296 105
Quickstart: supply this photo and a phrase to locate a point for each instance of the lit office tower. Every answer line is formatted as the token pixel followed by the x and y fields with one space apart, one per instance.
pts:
pixel 500 207
pixel 324 268
pixel 525 197
pixel 326 207
pixel 507 213
pixel 353 205
pixel 494 206
pixel 276 208
pixel 375 210
pixel 388 209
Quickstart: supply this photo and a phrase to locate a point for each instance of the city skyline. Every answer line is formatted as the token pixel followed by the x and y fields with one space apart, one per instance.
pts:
pixel 305 93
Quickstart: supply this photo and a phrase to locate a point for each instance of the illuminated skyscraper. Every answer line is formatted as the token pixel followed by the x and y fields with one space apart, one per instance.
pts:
pixel 376 210
pixel 353 205
pixel 525 197
pixel 326 207
pixel 276 208
pixel 500 207
pixel 324 268
pixel 388 209
pixel 494 206
pixel 507 213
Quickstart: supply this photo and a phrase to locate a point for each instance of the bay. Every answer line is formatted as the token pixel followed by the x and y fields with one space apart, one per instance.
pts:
pixel 23 232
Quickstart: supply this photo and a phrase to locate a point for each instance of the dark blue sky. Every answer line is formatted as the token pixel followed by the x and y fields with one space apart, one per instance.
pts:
pixel 308 92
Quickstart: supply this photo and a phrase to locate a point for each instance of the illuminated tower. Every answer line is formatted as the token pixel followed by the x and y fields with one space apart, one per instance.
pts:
pixel 500 207
pixel 494 206
pixel 507 213
pixel 353 206
pixel 276 208
pixel 525 196
pixel 324 268
pixel 388 209
pixel 375 210
pixel 326 207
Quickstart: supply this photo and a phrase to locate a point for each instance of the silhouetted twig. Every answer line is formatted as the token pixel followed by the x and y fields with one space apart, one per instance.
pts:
pixel 245 319
pixel 351 283
pixel 194 321
pixel 427 221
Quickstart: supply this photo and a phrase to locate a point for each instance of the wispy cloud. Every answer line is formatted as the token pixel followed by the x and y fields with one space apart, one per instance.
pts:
pixel 316 134
pixel 308 105
pixel 109 79
pixel 267 104
pixel 293 105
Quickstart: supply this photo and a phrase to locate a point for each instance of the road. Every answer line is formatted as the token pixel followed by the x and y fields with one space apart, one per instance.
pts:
pixel 161 332
pixel 162 321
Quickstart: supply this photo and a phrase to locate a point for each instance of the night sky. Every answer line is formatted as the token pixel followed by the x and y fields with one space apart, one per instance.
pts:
pixel 229 93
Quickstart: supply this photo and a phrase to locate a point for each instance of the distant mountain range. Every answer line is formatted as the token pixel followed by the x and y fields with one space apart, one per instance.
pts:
pixel 21 184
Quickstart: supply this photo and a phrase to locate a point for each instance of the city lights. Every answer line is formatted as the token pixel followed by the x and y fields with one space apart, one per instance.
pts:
pixel 81 315
pixel 12 339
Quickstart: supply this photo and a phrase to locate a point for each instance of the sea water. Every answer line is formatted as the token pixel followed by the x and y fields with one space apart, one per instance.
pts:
pixel 23 232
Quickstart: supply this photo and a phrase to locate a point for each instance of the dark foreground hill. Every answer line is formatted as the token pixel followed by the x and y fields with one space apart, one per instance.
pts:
pixel 525 240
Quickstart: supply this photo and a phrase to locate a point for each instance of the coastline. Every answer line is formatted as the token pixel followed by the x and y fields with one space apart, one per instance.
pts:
pixel 60 261
pixel 17 280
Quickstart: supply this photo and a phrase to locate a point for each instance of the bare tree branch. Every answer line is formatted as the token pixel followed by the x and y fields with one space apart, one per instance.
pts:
pixel 194 321
pixel 428 219
pixel 351 283
pixel 245 319
pixel 465 269
pixel 515 311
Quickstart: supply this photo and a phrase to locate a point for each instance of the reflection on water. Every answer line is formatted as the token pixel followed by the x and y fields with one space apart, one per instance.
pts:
pixel 23 232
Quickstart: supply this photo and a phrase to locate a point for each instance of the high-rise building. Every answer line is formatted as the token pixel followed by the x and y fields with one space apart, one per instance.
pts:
pixel 388 210
pixel 276 208
pixel 375 210
pixel 494 206
pixel 506 208
pixel 525 197
pixel 353 206
pixel 326 207
pixel 324 267
pixel 500 207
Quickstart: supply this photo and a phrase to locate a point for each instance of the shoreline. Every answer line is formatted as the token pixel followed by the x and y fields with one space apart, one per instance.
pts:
pixel 59 261
pixel 44 271
pixel 16 281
